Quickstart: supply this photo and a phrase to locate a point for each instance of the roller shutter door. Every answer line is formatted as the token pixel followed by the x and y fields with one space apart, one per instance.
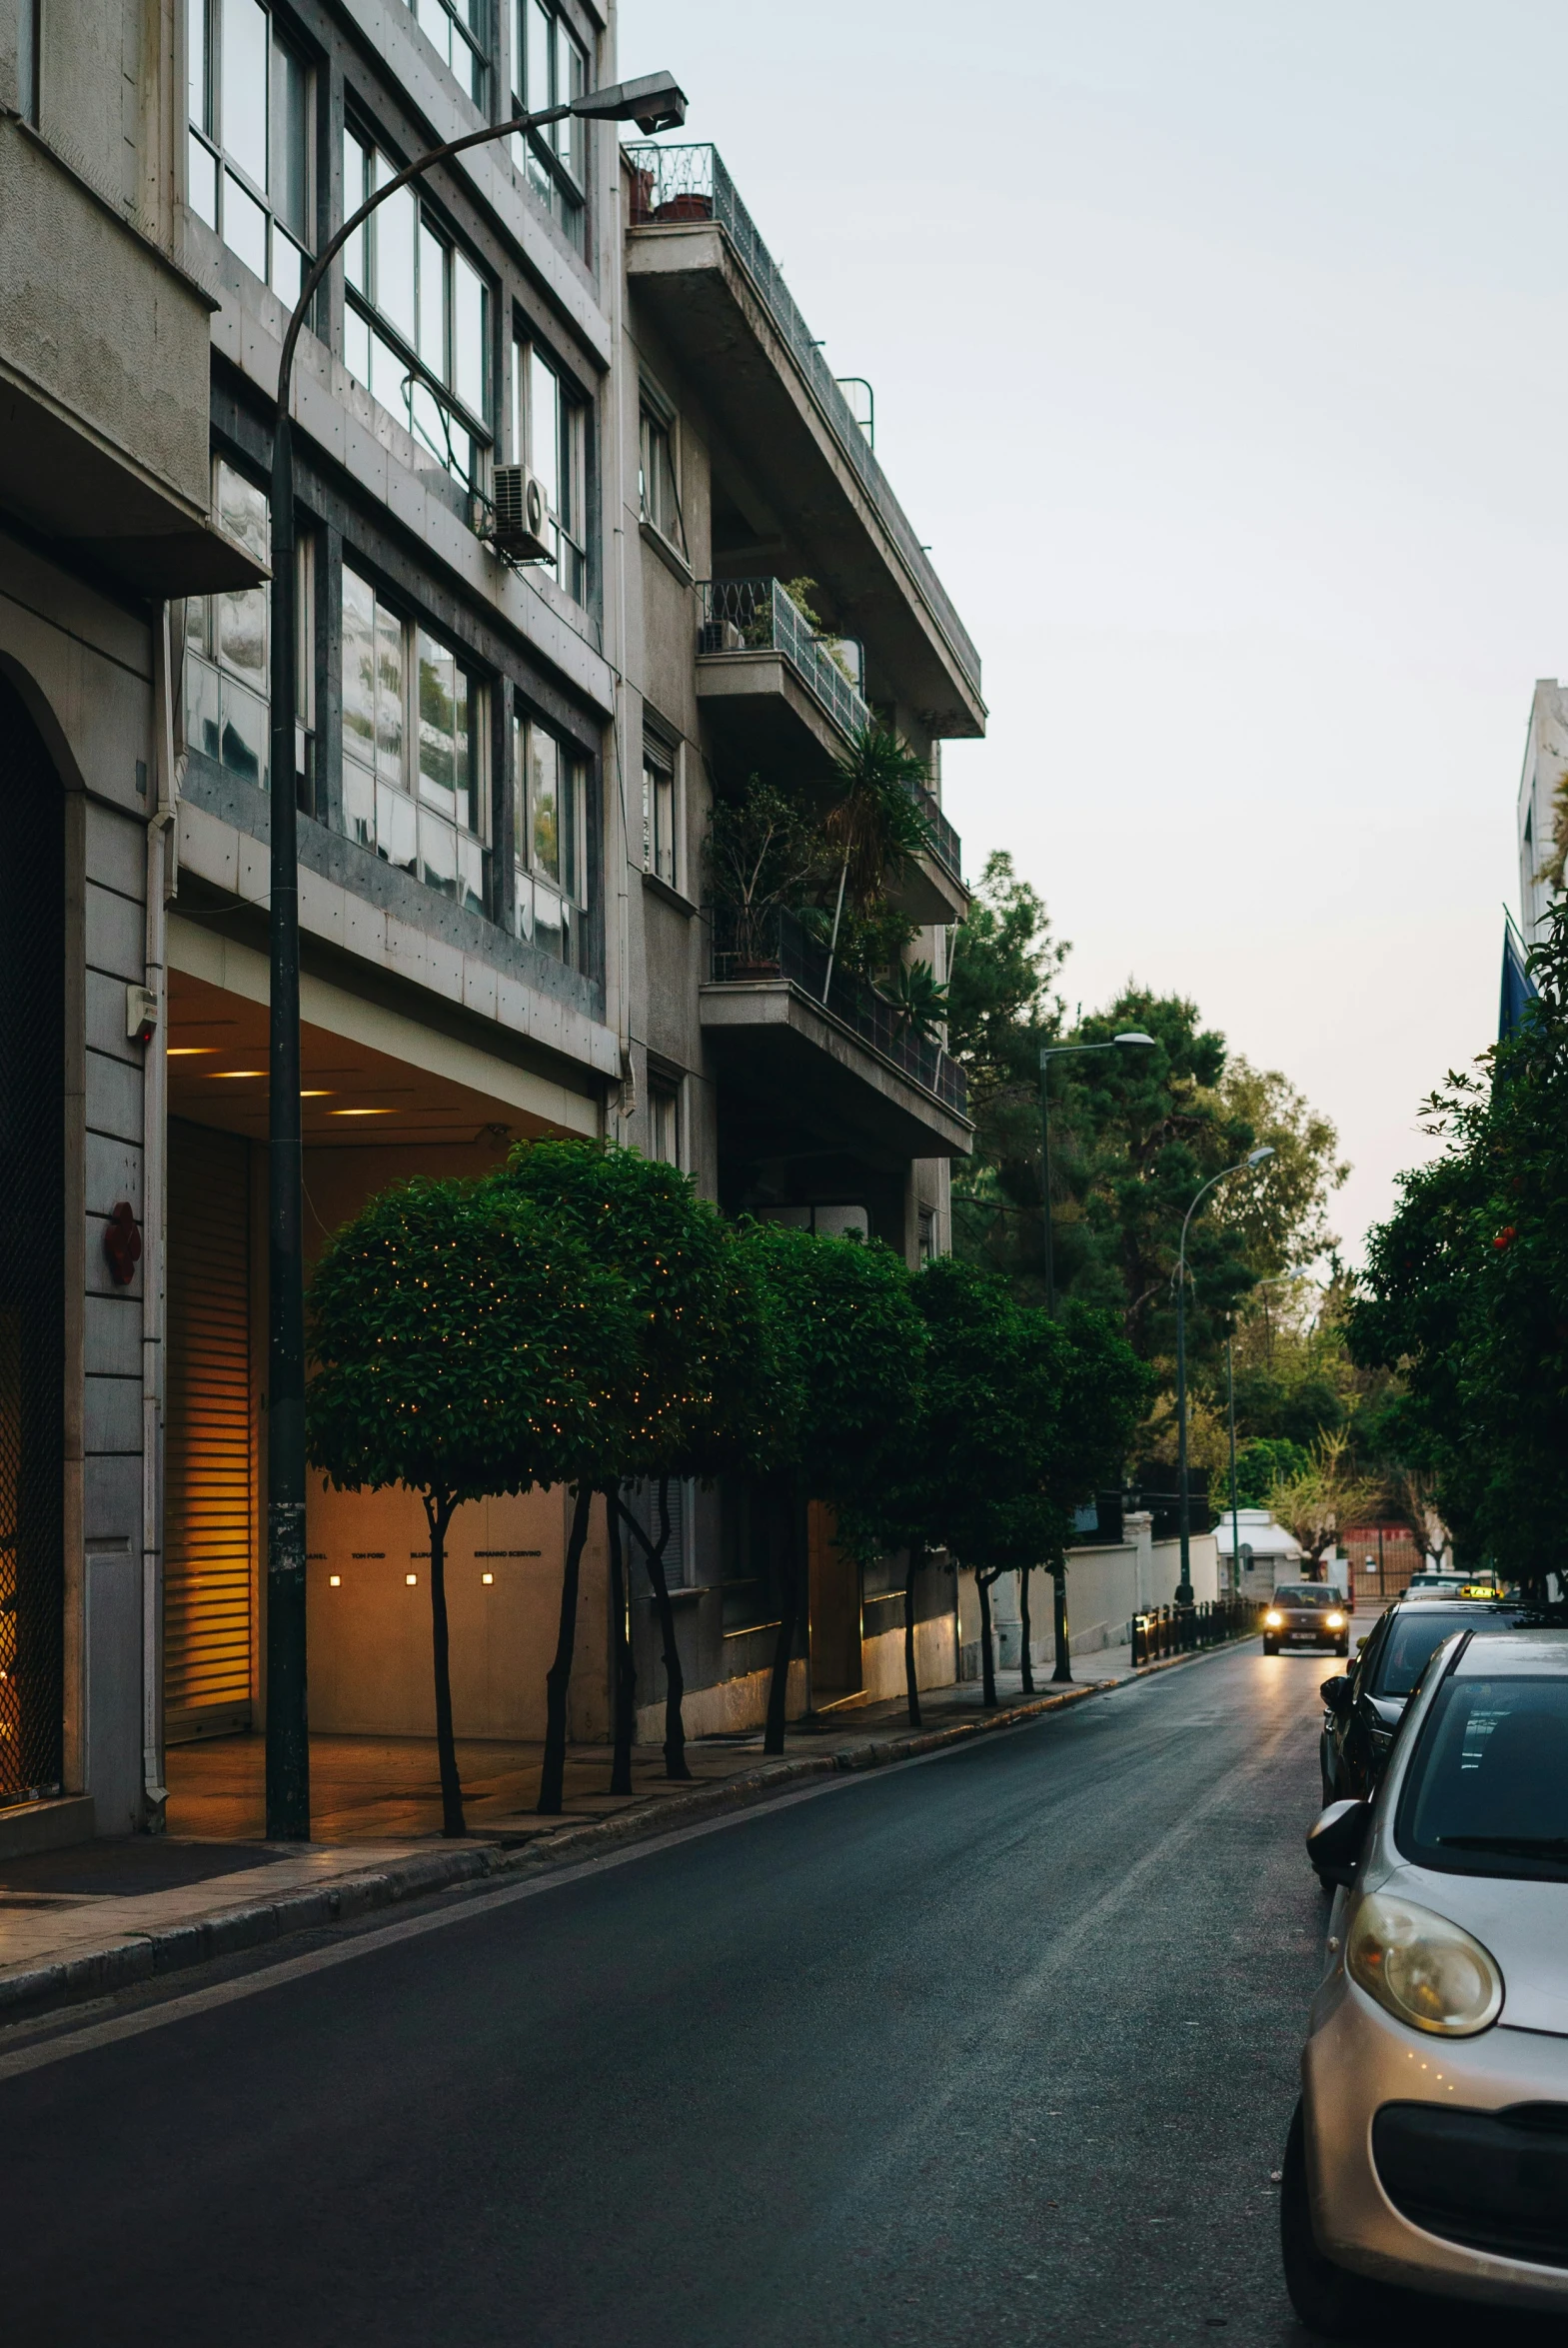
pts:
pixel 208 1481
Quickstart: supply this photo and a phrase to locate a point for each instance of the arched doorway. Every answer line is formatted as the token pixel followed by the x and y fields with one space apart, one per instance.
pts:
pixel 32 1257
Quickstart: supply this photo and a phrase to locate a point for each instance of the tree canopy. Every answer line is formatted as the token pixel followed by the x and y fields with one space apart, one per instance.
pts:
pixel 1466 1292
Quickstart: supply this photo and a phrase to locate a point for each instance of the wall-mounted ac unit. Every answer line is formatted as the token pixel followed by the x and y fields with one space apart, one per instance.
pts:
pixel 520 526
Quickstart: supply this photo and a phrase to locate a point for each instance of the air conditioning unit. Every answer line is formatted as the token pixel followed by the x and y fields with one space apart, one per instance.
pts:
pixel 520 526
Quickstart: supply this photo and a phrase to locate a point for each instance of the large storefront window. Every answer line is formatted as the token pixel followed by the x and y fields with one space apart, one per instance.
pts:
pixel 551 815
pixel 413 731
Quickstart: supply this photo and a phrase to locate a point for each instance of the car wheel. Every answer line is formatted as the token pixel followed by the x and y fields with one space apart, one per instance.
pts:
pixel 1271 1646
pixel 1343 1649
pixel 1332 2302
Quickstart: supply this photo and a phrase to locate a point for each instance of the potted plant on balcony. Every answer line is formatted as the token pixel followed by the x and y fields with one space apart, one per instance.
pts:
pixel 762 856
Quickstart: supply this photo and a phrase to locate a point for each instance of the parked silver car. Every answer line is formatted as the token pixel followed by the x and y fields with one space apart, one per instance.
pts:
pixel 1430 2146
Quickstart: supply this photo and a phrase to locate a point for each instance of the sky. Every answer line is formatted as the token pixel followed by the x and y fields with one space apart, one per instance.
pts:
pixel 1220 352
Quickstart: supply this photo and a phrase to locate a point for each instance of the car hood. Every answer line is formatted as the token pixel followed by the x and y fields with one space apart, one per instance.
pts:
pixel 1525 1925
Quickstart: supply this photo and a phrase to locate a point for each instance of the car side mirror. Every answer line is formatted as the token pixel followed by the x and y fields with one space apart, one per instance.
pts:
pixel 1336 1692
pixel 1335 1844
pixel 1361 1642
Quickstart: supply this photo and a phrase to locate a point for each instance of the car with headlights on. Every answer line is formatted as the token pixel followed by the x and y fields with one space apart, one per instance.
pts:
pixel 1429 2150
pixel 1362 1707
pixel 1306 1614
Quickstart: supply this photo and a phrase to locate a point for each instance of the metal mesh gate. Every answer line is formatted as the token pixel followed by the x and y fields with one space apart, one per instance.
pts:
pixel 32 1257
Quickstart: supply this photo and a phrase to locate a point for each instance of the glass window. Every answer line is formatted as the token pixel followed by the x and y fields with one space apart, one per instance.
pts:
pixel 412 788
pixel 553 68
pixel 227 677
pixel 550 818
pixel 550 436
pixel 658 494
pixel 458 30
pixel 1414 1636
pixel 658 812
pixel 663 1123
pixel 417 287
pixel 1487 1792
pixel 250 103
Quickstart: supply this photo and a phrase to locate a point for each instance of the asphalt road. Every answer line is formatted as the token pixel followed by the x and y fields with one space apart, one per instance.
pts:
pixel 998 2047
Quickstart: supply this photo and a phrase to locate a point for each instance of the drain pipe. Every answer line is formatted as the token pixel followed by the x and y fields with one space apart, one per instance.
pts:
pixel 155 1105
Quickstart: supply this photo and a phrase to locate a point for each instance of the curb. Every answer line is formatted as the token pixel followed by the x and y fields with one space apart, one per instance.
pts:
pixel 145 1956
pixel 1226 1647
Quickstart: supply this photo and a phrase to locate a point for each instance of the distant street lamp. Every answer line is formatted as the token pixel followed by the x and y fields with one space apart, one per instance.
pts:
pixel 654 103
pixel 1135 1037
pixel 1184 1585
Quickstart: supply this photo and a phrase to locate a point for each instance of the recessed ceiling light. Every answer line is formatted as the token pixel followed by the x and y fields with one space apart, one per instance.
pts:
pixel 188 1051
pixel 316 1095
pixel 217 1075
pixel 335 1581
pixel 487 1577
pixel 412 1580
pixel 359 1112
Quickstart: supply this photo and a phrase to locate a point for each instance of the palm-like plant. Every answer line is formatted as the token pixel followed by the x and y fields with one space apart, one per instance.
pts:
pixel 875 826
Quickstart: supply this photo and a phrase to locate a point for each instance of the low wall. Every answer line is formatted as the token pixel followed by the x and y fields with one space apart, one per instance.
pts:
pixel 882 1658
pixel 726 1709
pixel 1105 1588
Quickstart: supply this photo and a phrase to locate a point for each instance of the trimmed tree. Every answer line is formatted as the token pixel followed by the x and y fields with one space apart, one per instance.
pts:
pixel 464 1347
pixel 843 1347
pixel 685 1411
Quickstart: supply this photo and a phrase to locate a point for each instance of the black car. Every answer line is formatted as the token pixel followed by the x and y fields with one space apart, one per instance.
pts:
pixel 1363 1707
pixel 1308 1614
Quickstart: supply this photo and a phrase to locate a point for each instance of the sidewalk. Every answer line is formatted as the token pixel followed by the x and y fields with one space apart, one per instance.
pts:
pixel 85 1921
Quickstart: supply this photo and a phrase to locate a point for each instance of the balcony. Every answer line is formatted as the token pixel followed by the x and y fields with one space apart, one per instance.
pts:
pixel 783 700
pixel 698 262
pixel 830 1055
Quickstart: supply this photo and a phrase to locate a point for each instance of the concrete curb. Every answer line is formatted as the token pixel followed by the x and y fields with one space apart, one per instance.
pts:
pixel 145 1956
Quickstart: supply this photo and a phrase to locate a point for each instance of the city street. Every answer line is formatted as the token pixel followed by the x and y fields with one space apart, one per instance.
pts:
pixel 999 2046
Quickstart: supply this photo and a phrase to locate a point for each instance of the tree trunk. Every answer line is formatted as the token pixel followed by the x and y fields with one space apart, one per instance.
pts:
pixel 439 1508
pixel 783 1648
pixel 1058 1593
pixel 1023 1627
pixel 620 1647
pixel 916 1558
pixel 982 1584
pixel 557 1680
pixel 674 1677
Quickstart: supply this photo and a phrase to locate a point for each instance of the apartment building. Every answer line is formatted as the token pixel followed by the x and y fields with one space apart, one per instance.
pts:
pixel 502 772
pixel 1542 813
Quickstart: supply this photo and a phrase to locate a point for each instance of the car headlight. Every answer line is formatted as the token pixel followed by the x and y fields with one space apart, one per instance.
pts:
pixel 1423 1969
pixel 1274 1620
pixel 1333 1622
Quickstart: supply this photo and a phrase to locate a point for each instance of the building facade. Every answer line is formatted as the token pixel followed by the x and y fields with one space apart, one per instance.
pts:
pixel 1542 818
pixel 504 772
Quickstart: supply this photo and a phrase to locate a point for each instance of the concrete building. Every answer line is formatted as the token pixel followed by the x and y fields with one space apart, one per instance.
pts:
pixel 504 777
pixel 1543 806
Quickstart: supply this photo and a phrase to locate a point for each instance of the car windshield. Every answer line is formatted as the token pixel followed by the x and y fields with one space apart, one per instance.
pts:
pixel 1487 1792
pixel 1313 1594
pixel 1414 1636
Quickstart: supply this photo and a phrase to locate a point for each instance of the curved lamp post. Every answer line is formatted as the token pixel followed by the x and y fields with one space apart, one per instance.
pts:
pixel 1242 1165
pixel 1131 1038
pixel 654 103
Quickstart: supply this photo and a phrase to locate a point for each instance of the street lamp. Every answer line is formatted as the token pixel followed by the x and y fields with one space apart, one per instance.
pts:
pixel 1135 1037
pixel 1253 1158
pixel 655 102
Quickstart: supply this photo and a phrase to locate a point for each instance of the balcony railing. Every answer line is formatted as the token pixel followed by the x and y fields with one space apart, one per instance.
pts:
pixel 775 944
pixel 945 840
pixel 671 185
pixel 759 615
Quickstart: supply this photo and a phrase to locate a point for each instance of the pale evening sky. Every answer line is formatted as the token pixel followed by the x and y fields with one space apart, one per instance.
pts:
pixel 1220 352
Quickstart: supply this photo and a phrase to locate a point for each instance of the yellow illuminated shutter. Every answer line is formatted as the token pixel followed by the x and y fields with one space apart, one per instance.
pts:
pixel 207 1559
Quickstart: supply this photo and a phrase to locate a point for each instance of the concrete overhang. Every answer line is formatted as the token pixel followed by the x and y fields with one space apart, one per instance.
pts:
pixel 930 894
pixel 759 713
pixel 104 383
pixel 712 316
pixel 769 1039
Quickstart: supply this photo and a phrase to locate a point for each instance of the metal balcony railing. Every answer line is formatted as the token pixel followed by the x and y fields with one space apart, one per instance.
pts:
pixel 759 615
pixel 671 185
pixel 775 942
